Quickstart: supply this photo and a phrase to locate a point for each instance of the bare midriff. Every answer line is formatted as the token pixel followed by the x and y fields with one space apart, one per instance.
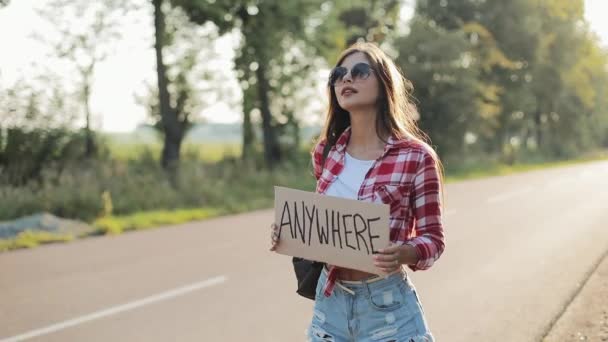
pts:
pixel 350 274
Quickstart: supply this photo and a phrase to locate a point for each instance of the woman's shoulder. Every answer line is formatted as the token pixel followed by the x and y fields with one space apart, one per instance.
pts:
pixel 414 148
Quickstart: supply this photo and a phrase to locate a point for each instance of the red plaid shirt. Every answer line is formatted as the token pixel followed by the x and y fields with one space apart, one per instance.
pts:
pixel 404 177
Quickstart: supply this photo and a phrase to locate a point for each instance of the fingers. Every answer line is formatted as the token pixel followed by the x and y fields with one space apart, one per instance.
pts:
pixel 389 250
pixel 387 262
pixel 385 257
pixel 273 231
pixel 389 265
pixel 274 234
pixel 273 247
pixel 274 237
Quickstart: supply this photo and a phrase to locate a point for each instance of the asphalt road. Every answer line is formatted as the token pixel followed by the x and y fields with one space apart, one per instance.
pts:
pixel 517 249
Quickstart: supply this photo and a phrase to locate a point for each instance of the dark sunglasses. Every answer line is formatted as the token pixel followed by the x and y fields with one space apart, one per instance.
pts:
pixel 360 71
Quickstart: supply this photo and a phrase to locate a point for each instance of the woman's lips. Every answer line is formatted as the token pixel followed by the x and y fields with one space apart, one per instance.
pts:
pixel 348 91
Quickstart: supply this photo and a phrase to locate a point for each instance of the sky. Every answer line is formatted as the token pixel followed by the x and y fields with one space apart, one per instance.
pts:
pixel 132 63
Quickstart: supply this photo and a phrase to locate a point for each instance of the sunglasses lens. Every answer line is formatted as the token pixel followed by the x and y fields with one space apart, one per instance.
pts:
pixel 337 74
pixel 361 70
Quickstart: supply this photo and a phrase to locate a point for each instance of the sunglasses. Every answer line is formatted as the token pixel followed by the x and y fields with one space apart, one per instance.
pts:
pixel 360 71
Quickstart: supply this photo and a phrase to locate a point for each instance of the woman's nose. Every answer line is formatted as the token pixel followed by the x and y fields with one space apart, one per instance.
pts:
pixel 347 78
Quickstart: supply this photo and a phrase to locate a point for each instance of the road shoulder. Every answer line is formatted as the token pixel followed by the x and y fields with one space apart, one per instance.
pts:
pixel 586 317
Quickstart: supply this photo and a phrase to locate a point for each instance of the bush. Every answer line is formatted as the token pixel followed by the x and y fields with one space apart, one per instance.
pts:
pixel 26 153
pixel 94 189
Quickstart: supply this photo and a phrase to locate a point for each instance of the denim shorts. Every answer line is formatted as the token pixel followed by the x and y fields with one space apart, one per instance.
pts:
pixel 385 310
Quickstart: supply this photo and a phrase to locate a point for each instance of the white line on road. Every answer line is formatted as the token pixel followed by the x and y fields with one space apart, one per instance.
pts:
pixel 117 309
pixel 507 195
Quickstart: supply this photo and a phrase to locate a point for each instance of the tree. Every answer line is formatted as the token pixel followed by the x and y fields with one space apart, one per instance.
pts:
pixel 192 80
pixel 30 126
pixel 84 31
pixel 339 24
pixel 269 30
pixel 538 70
pixel 173 128
pixel 440 65
pixel 283 45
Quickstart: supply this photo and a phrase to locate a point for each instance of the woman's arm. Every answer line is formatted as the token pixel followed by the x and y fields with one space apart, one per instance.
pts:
pixel 425 248
pixel 429 241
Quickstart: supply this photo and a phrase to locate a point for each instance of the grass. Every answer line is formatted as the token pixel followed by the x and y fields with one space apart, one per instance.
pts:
pixel 208 152
pixel 478 169
pixel 29 239
pixel 145 220
pixel 125 195
pixel 112 225
pixel 137 196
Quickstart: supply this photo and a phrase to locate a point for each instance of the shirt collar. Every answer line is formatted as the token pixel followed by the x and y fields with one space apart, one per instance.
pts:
pixel 391 143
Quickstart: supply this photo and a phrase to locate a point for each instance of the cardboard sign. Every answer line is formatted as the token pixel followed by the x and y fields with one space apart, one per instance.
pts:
pixel 338 231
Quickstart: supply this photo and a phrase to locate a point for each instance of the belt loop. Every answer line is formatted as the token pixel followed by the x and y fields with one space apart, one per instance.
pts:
pixel 368 292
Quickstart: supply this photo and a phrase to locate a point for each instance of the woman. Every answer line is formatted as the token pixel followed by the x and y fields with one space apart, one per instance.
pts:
pixel 377 154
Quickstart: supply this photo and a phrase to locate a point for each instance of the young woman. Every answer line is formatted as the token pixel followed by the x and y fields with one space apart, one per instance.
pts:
pixel 377 154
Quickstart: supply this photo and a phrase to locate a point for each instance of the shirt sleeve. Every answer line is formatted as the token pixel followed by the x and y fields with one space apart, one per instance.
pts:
pixel 317 158
pixel 429 239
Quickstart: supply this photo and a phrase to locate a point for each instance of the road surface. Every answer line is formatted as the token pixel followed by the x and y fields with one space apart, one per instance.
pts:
pixel 518 248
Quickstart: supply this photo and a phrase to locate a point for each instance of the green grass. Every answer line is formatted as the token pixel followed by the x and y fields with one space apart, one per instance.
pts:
pixel 208 152
pixel 479 169
pixel 137 195
pixel 29 239
pixel 145 220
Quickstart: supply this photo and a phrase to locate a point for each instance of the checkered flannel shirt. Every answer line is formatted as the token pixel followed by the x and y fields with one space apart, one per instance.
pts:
pixel 407 179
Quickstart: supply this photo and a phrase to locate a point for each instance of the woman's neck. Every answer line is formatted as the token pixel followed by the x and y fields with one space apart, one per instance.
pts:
pixel 363 137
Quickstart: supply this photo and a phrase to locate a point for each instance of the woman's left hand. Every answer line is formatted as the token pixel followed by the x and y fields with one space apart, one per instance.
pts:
pixel 389 259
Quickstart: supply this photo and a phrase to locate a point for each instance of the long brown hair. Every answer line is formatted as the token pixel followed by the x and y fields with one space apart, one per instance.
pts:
pixel 396 111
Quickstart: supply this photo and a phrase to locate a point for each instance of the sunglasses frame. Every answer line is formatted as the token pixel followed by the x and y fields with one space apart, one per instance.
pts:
pixel 360 75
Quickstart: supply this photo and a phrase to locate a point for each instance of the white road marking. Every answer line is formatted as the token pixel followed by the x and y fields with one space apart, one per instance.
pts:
pixel 508 195
pixel 117 309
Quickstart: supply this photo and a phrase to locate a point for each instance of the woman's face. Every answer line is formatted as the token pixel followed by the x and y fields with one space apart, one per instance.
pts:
pixel 358 93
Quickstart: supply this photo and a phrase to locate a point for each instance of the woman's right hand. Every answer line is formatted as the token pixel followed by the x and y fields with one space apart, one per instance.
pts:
pixel 274 237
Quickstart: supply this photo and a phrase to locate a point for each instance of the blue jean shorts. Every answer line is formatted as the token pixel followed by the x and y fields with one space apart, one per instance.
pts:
pixel 385 310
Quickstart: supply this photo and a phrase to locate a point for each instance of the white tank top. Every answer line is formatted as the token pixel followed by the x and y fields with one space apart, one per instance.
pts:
pixel 348 182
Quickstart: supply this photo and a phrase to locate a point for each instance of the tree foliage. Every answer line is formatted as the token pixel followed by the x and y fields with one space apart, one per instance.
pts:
pixel 535 76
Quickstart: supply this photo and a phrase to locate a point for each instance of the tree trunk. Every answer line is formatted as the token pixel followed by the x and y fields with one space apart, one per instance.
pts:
pixel 171 127
pixel 272 152
pixel 247 150
pixel 87 75
pixel 297 138
pixel 171 151
pixel 89 141
pixel 539 128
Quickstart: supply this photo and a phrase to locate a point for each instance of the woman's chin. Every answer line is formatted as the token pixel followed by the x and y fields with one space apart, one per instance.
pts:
pixel 355 106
